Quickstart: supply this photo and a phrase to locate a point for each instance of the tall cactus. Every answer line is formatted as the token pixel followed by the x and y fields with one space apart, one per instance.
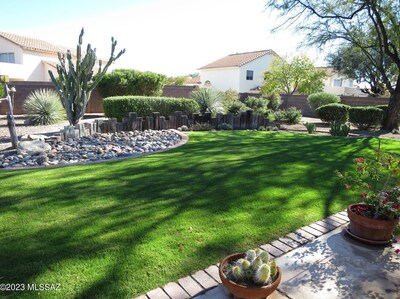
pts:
pixel 76 82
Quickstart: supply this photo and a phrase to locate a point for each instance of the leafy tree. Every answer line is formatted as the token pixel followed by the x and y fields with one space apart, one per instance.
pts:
pixel 180 80
pixel 351 62
pixel 371 26
pixel 75 81
pixel 297 75
pixel 122 82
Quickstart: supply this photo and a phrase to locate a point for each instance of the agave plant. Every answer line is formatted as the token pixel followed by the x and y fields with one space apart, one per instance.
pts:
pixel 255 268
pixel 44 107
pixel 208 99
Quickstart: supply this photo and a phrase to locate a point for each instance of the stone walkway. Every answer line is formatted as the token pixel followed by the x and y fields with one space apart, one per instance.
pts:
pixel 317 261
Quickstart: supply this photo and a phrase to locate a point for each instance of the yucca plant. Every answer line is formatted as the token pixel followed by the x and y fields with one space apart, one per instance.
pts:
pixel 208 99
pixel 44 107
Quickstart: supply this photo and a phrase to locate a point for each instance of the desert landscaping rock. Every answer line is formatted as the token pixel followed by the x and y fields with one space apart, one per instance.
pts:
pixel 89 149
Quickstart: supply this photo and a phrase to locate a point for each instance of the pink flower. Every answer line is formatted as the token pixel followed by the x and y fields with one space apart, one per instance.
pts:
pixel 348 187
pixel 385 201
pixel 360 168
pixel 370 187
pixel 396 206
pixel 397 251
pixel 363 195
pixel 359 160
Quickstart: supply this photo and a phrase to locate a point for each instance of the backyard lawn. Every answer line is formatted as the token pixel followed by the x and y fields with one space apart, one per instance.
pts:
pixel 122 228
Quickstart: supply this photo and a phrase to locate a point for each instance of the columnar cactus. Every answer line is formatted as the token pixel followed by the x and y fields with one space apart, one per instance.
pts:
pixel 76 82
pixel 255 268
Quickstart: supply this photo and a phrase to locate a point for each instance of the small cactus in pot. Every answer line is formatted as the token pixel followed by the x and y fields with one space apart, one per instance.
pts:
pixel 256 268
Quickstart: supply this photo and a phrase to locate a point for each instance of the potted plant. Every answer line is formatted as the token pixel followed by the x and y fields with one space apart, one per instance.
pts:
pixel 377 181
pixel 250 275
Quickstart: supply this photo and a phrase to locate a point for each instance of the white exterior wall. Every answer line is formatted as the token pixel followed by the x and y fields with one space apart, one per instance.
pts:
pixel 35 68
pixel 258 66
pixel 346 89
pixel 15 71
pixel 222 78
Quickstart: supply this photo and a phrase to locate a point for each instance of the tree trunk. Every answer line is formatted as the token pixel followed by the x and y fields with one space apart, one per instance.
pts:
pixel 11 128
pixel 391 120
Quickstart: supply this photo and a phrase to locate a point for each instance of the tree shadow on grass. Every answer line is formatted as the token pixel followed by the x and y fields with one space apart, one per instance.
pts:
pixel 112 229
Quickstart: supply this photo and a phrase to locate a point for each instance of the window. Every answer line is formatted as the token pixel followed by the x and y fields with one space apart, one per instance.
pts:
pixel 7 57
pixel 351 83
pixel 249 75
pixel 337 82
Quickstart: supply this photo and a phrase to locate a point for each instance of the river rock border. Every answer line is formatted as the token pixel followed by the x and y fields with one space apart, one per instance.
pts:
pixel 97 148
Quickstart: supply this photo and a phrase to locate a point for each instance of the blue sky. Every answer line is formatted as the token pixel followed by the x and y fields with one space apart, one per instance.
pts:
pixel 173 37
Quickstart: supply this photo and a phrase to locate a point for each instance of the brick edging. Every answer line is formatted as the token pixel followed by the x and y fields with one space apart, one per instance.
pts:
pixel 204 280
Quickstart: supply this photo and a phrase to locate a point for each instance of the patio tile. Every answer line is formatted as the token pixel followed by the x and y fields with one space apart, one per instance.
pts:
pixel 342 216
pixel 157 294
pixel 326 225
pixel 175 291
pixel 281 246
pixel 338 219
pixel 272 250
pixel 331 222
pixel 204 279
pixel 213 272
pixel 190 285
pixel 297 238
pixel 304 234
pixel 320 228
pixel 290 242
pixel 219 292
pixel 312 231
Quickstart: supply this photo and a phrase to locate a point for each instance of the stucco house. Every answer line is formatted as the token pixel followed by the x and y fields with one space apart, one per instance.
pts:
pixel 241 72
pixel 339 84
pixel 27 59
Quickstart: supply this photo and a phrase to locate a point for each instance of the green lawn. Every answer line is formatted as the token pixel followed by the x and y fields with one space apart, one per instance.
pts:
pixel 113 230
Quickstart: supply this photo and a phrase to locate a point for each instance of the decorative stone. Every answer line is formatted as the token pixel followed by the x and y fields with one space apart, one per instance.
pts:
pixel 33 147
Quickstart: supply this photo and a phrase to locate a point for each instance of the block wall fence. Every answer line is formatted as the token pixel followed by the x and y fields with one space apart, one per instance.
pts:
pixel 95 104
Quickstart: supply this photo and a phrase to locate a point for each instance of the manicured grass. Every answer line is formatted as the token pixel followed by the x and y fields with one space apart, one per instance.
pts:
pixel 115 230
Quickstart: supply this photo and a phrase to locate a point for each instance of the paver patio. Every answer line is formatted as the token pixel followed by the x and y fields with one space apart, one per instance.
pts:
pixel 317 261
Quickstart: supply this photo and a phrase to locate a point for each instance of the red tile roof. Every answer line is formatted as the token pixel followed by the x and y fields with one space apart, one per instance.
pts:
pixel 193 81
pixel 237 60
pixel 33 44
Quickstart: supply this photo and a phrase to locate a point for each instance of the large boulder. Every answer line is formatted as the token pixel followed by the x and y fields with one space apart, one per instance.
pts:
pixel 34 147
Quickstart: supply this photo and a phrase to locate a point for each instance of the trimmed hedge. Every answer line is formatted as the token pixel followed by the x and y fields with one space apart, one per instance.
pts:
pixel 366 117
pixel 333 112
pixel 120 106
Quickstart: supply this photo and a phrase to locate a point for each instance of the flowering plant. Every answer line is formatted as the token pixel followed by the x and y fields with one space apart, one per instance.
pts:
pixel 378 183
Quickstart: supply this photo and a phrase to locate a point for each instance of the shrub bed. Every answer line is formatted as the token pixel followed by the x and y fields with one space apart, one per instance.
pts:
pixel 120 106
pixel 333 112
pixel 366 118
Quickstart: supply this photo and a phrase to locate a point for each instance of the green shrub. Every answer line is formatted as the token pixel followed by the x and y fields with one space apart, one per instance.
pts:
pixel 311 127
pixel 44 107
pixel 124 82
pixel 333 112
pixel 235 107
pixel 259 105
pixel 208 99
pixel 319 99
pixel 292 115
pixel 119 107
pixel 225 126
pixel 366 118
pixel 274 101
pixel 339 129
pixel 277 116
pixel 201 127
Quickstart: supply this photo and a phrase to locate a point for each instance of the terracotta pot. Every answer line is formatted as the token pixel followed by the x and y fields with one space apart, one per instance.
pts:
pixel 245 292
pixel 370 229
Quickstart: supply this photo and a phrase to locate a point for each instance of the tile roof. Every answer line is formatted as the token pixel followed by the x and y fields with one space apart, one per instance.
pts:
pixel 33 44
pixel 193 80
pixel 237 60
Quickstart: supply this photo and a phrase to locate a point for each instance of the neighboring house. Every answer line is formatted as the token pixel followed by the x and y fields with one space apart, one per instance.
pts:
pixel 241 72
pixel 27 59
pixel 339 84
pixel 193 81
